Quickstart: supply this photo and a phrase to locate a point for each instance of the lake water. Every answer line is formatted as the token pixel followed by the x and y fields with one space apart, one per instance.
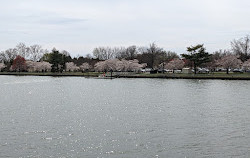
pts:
pixel 123 118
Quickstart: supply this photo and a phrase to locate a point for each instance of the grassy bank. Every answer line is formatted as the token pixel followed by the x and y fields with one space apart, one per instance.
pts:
pixel 224 76
pixel 80 74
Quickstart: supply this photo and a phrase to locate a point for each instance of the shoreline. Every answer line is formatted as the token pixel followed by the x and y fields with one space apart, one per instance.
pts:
pixel 192 77
pixel 218 76
pixel 67 74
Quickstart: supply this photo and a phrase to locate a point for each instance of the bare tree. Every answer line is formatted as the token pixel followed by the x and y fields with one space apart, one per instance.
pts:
pixel 169 55
pixel 23 50
pixel 153 52
pixel 241 47
pixel 150 55
pixel 9 55
pixel 66 53
pixel 129 53
pixel 88 56
pixel 36 52
pixel 2 56
pixel 103 53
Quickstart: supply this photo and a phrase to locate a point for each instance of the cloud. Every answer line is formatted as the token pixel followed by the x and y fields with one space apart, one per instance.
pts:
pixel 83 24
pixel 52 20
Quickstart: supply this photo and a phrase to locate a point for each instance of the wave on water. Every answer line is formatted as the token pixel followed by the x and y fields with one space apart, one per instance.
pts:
pixel 25 82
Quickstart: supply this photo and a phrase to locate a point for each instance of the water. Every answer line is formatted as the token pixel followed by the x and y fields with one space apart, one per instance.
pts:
pixel 121 118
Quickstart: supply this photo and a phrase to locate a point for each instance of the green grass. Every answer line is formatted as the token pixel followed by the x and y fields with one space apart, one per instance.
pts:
pixel 86 74
pixel 217 75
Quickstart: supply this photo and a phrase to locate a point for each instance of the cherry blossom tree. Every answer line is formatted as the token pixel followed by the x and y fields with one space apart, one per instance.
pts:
pixel 30 66
pixel 119 65
pixel 43 66
pixel 99 66
pixel 175 64
pixel 85 66
pixel 2 66
pixel 110 65
pixel 70 66
pixel 19 64
pixel 33 66
pixel 246 64
pixel 133 65
pixel 229 61
pixel 107 65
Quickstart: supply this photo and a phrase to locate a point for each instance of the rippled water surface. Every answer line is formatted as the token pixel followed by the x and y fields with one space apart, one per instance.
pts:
pixel 121 118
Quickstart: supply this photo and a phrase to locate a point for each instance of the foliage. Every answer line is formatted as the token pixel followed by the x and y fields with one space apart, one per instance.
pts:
pixel 175 64
pixel 125 58
pixel 2 66
pixel 246 64
pixel 81 60
pixel 57 60
pixel 43 66
pixel 229 61
pixel 197 55
pixel 118 65
pixel 70 66
pixel 85 67
pixel 19 64
pixel 152 55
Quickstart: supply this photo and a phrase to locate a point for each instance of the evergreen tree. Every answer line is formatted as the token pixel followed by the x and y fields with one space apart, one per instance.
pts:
pixel 57 60
pixel 197 55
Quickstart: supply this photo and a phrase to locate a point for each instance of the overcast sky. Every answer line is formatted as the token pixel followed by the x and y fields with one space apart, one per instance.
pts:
pixel 81 25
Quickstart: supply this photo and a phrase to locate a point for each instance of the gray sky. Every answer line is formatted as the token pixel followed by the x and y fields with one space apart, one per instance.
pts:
pixel 81 25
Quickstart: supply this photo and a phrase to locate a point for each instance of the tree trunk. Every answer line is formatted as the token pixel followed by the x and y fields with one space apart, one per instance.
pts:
pixel 163 68
pixel 227 70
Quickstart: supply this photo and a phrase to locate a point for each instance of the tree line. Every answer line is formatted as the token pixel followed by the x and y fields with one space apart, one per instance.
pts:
pixel 132 58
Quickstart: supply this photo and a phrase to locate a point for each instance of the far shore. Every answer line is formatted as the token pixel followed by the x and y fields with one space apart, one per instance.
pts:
pixel 221 76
